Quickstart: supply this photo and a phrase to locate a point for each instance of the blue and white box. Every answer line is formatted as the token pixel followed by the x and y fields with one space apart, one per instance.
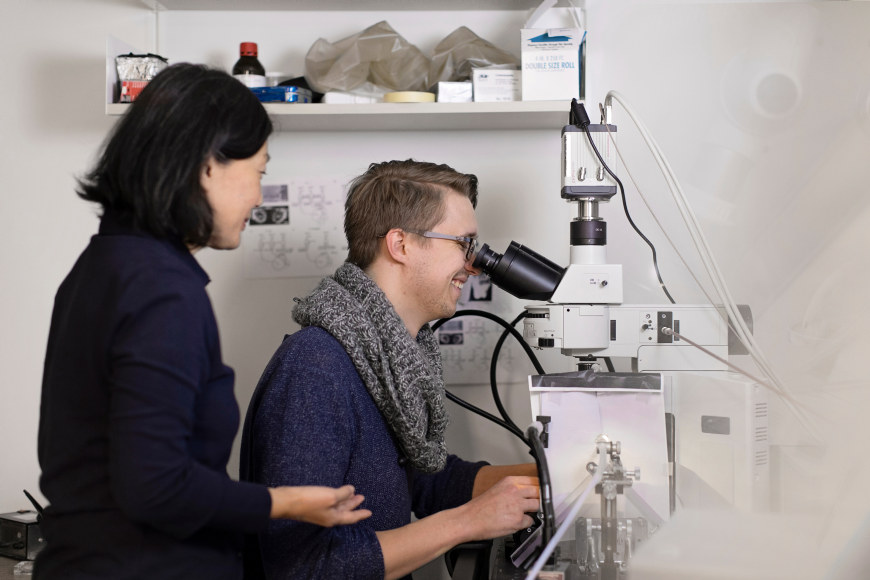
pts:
pixel 552 61
pixel 282 94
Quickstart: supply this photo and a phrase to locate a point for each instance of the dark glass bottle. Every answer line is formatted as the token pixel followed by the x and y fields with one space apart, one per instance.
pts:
pixel 248 69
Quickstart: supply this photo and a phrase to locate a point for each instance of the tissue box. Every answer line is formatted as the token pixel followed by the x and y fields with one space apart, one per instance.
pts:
pixel 552 61
pixel 454 92
pixel 492 85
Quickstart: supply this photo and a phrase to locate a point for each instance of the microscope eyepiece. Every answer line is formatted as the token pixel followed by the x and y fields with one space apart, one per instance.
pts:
pixel 520 271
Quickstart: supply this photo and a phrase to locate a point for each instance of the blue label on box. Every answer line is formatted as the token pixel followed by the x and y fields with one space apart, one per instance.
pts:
pixel 282 94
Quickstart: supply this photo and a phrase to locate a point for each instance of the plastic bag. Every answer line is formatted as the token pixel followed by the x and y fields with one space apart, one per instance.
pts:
pixel 463 50
pixel 377 55
pixel 134 72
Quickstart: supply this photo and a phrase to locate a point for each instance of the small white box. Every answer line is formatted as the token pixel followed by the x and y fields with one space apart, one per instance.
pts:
pixel 552 63
pixel 495 84
pixel 454 92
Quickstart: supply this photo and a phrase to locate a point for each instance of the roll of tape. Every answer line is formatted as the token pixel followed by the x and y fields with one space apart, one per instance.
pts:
pixel 409 97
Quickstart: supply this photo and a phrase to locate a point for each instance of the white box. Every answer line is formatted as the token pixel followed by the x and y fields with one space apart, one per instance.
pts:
pixel 454 92
pixel 552 63
pixel 494 84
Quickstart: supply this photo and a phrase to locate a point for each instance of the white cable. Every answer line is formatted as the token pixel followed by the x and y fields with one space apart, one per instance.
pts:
pixel 710 265
pixel 569 518
pixel 654 216
pixel 670 332
pixel 735 368
pixel 690 220
pixel 662 228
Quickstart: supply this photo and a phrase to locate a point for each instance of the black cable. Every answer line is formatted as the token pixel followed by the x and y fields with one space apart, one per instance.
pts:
pixel 548 526
pixel 609 364
pixel 493 364
pixel 478 411
pixel 501 321
pixel 581 119
pixel 510 426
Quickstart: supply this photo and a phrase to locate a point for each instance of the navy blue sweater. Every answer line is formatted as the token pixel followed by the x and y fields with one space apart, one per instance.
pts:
pixel 137 420
pixel 312 422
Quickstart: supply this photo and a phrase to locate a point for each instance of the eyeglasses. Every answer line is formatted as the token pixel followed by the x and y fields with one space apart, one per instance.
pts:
pixel 468 244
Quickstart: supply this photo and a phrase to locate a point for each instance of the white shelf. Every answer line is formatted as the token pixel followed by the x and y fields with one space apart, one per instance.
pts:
pixel 518 115
pixel 411 116
pixel 320 5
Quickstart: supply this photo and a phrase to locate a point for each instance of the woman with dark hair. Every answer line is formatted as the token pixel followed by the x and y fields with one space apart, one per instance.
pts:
pixel 138 413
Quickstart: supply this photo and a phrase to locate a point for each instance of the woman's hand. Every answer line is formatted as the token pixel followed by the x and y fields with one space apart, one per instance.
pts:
pixel 324 506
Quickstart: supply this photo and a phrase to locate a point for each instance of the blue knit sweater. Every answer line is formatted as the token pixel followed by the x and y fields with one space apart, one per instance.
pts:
pixel 312 422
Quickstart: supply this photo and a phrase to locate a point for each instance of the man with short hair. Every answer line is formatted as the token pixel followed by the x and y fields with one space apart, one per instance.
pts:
pixel 356 396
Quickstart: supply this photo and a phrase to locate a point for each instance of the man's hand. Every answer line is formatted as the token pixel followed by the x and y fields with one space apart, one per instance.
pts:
pixel 324 506
pixel 502 508
pixel 498 511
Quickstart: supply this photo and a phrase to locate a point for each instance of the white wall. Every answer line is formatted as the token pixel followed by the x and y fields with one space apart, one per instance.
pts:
pixel 762 108
pixel 53 122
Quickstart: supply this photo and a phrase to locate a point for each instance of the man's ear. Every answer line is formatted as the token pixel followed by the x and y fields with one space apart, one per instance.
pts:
pixel 396 241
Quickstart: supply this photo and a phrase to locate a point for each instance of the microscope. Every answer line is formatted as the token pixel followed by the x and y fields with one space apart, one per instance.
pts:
pixel 584 315
pixel 713 423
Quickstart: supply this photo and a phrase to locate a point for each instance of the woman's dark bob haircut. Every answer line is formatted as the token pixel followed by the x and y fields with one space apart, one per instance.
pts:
pixel 148 175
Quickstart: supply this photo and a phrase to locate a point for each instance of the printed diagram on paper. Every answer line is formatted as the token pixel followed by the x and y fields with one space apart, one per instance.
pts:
pixel 467 342
pixel 298 230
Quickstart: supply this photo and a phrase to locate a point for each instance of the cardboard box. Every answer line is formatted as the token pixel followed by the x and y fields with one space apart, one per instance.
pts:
pixel 552 60
pixel 495 85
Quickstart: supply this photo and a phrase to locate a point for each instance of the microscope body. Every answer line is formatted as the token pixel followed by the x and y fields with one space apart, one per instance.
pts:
pixel 632 332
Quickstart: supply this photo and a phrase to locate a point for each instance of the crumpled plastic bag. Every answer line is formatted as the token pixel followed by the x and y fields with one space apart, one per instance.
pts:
pixel 377 55
pixel 461 51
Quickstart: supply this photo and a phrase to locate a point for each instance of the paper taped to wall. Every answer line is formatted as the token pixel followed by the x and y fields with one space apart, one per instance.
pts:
pixel 297 231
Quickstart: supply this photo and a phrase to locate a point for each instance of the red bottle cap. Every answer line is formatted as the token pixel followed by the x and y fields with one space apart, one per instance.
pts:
pixel 248 49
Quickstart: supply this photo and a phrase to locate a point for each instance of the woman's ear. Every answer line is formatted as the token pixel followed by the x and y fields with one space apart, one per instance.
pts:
pixel 206 173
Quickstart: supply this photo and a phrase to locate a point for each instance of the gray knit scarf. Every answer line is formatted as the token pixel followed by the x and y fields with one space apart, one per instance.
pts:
pixel 402 375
